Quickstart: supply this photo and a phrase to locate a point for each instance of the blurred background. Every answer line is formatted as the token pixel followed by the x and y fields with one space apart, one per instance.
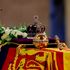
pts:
pixel 54 14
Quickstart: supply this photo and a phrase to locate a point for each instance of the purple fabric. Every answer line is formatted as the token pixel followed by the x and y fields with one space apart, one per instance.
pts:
pixel 22 40
pixel 29 41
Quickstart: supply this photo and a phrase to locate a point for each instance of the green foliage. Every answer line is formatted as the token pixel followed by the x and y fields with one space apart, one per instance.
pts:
pixel 9 33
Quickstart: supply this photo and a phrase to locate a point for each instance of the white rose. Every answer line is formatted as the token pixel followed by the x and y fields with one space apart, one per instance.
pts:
pixel 8 30
pixel 25 35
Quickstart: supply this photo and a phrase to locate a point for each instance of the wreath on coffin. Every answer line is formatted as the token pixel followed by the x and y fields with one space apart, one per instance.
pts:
pixel 7 34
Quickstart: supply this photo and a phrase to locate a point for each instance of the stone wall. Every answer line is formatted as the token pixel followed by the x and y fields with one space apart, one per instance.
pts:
pixel 15 12
pixel 67 11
